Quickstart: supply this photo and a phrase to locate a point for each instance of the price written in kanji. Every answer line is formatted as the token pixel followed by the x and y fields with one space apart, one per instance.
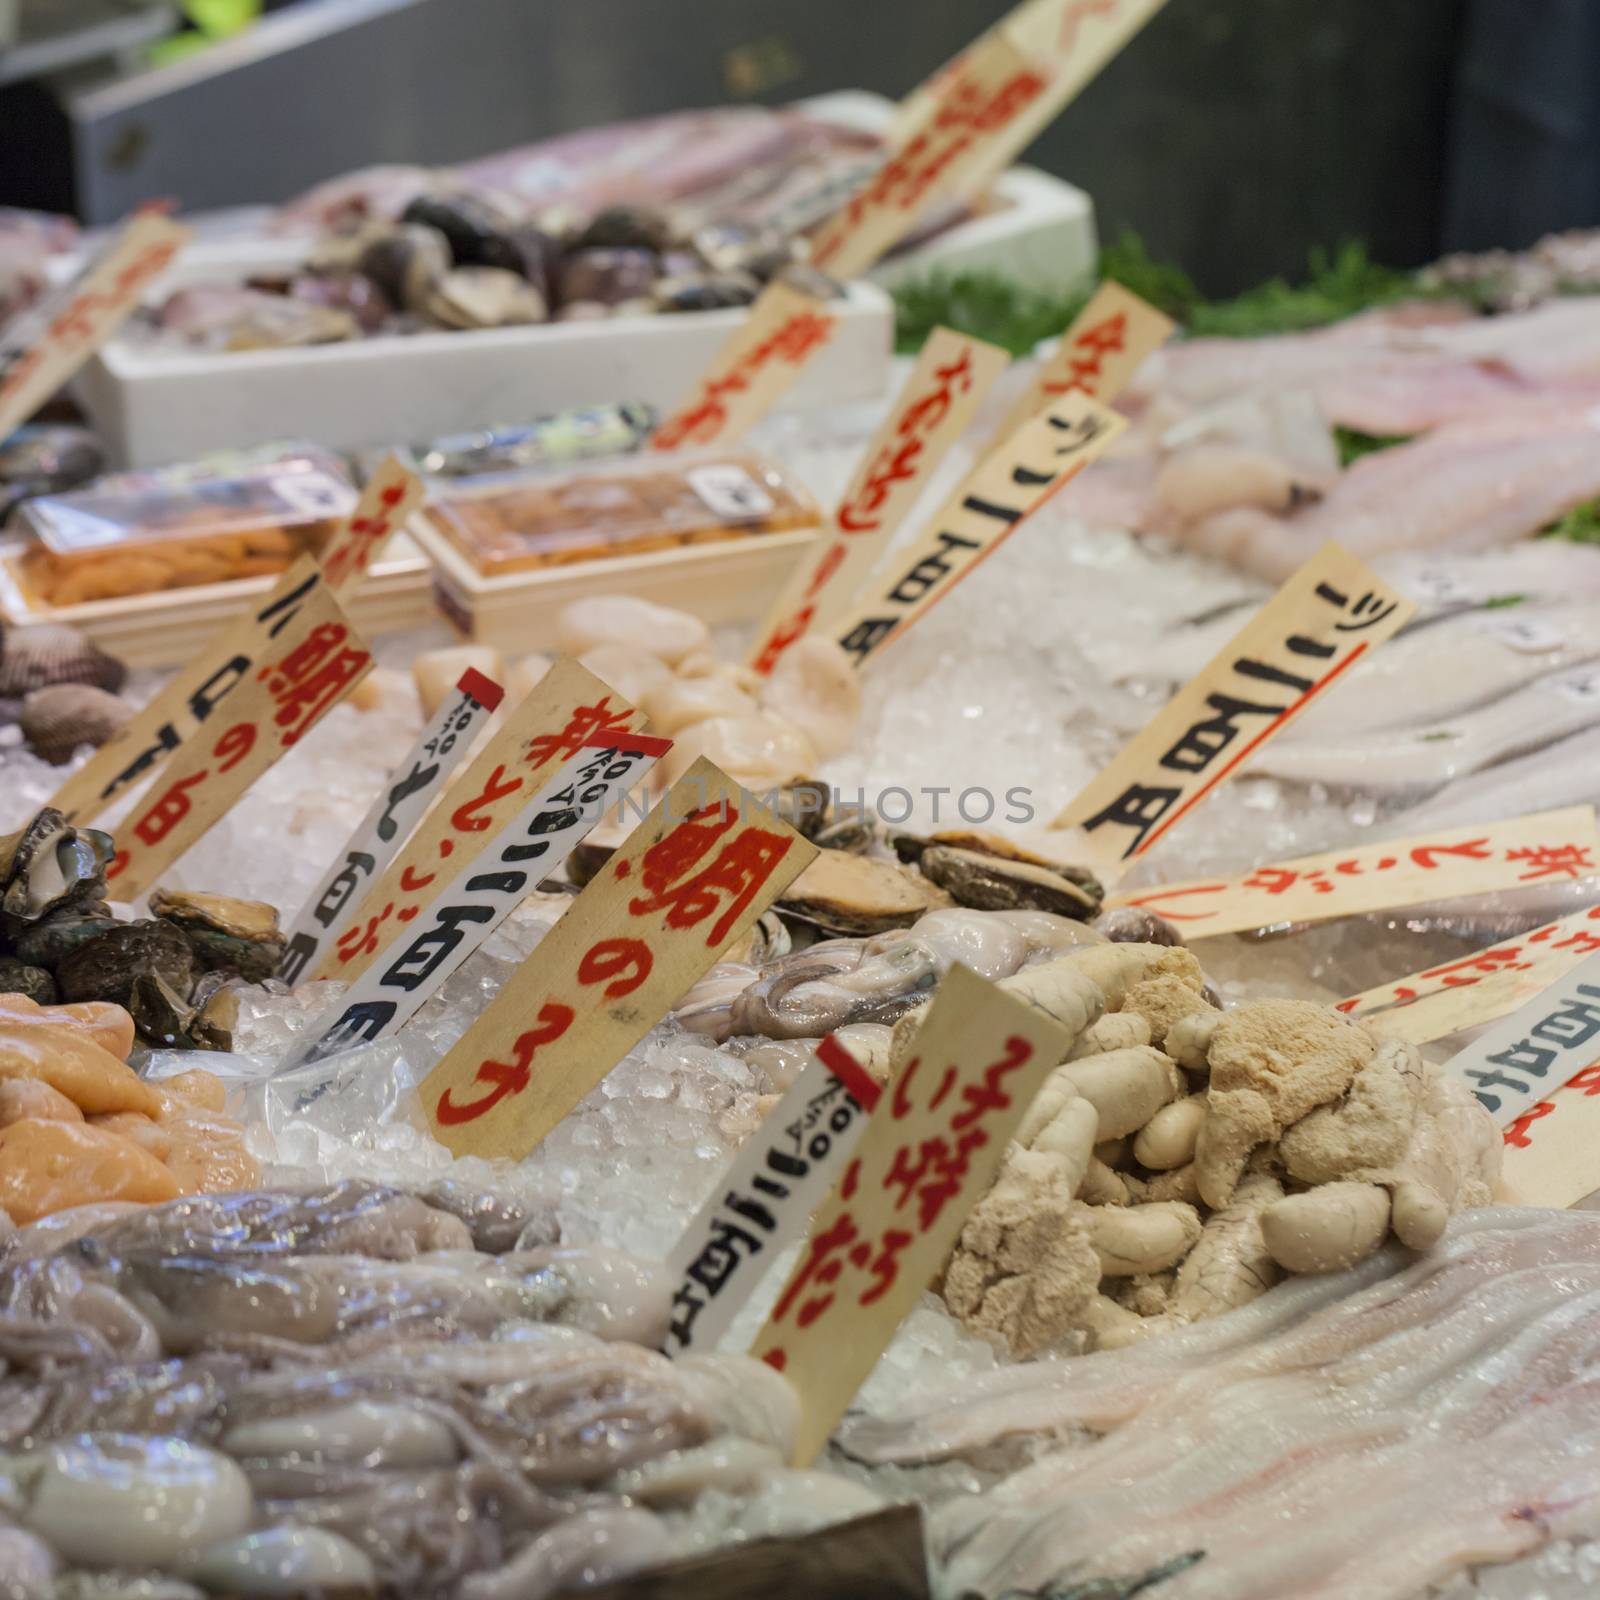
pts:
pixel 765 1199
pixel 1329 615
pixel 1107 342
pixel 1480 988
pixel 986 509
pixel 379 836
pixel 534 845
pixel 783 331
pixel 1550 846
pixel 689 880
pixel 187 702
pixel 86 314
pixel 391 494
pixel 931 1148
pixel 565 709
pixel 948 383
pixel 316 661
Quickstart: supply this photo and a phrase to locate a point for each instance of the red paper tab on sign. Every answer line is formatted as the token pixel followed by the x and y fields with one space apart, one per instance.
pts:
pixel 784 329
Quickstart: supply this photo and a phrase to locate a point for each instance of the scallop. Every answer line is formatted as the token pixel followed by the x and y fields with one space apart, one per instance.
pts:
pixel 35 657
pixel 114 1500
pixel 285 1561
pixel 365 1431
pixel 640 624
pixel 57 719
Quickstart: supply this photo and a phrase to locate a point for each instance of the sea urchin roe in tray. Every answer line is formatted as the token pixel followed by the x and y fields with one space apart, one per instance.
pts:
pixel 109 542
pixel 512 522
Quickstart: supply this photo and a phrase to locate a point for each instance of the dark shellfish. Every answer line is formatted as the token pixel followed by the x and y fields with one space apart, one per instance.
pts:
pixel 112 966
pixel 17 977
pixel 991 883
pixel 1135 925
pixel 59 718
pixel 45 653
pixel 226 935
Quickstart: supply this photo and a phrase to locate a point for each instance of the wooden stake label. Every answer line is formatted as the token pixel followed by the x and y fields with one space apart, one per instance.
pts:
pixel 945 388
pixel 1550 1156
pixel 535 843
pixel 392 493
pixel 1105 345
pixel 691 879
pixel 985 510
pixel 86 314
pixel 380 834
pixel 1385 876
pixel 1333 612
pixel 784 329
pixel 779 1177
pixel 318 659
pixel 1483 987
pixel 566 708
pixel 1539 1048
pixel 961 140
pixel 187 702
pixel 931 1149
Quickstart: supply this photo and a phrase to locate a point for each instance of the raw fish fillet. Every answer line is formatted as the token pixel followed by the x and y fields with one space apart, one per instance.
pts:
pixel 1557 342
pixel 1552 569
pixel 1428 754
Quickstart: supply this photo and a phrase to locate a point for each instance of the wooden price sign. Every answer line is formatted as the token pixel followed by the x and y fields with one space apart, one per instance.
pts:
pixel 784 329
pixel 766 1197
pixel 1483 987
pixel 392 493
pixel 962 138
pixel 985 510
pixel 566 708
pixel 86 314
pixel 379 835
pixel 1106 344
pixel 1539 1048
pixel 1550 1155
pixel 946 387
pixel 690 879
pixel 316 661
pixel 187 702
pixel 1382 877
pixel 1329 615
pixel 930 1150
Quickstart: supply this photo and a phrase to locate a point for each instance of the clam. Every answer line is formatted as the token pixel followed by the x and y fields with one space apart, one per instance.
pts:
pixel 484 297
pixel 477 232
pixel 48 865
pixel 850 894
pixel 909 847
pixel 344 290
pixel 114 1500
pixel 216 1012
pixel 160 1012
pixel 17 977
pixel 109 967
pixel 804 805
pixel 705 291
pixel 405 262
pixel 627 227
pixel 285 1561
pixel 59 718
pixel 45 653
pixel 239 936
pixel 605 276
pixel 990 883
pixel 1135 925
pixel 49 940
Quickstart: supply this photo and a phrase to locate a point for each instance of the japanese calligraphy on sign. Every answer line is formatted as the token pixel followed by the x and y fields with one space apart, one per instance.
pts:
pixel 187 702
pixel 1482 987
pixel 1328 616
pixel 315 662
pixel 985 510
pixel 690 879
pixel 931 1148
pixel 534 844
pixel 784 329
pixel 380 834
pixel 1537 1049
pixel 945 388
pixel 86 314
pixel 1548 846
pixel 955 146
pixel 765 1199
pixel 566 708
pixel 1552 1150
pixel 1105 345
pixel 392 493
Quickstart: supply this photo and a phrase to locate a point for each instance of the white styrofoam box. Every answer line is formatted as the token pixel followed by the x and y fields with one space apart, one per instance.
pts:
pixel 724 580
pixel 164 629
pixel 155 405
pixel 1038 231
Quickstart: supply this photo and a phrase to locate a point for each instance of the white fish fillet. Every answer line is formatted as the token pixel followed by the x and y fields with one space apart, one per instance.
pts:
pixel 1554 343
pixel 1391 760
pixel 1543 569
pixel 1562 774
